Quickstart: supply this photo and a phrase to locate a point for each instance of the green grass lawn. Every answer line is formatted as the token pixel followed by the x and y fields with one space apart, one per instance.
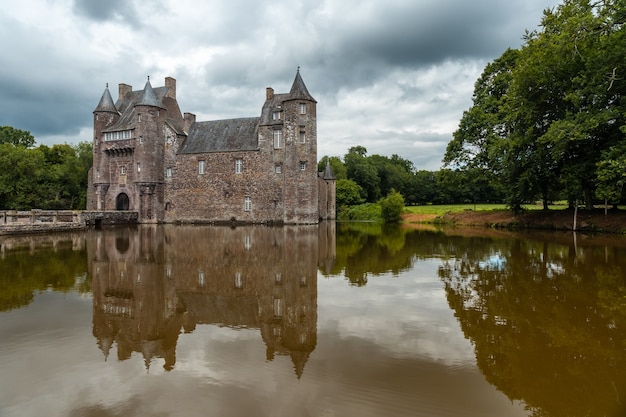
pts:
pixel 445 208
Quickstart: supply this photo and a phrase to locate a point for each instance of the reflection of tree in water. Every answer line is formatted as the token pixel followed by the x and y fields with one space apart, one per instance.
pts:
pixel 548 321
pixel 365 249
pixel 37 263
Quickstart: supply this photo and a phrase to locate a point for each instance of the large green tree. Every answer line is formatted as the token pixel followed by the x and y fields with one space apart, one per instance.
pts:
pixel 544 117
pixel 16 137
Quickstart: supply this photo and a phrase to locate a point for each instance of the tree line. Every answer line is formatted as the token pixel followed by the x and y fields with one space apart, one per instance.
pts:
pixel 42 177
pixel 363 178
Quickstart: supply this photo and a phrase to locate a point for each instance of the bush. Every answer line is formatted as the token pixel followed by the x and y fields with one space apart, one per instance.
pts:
pixel 392 207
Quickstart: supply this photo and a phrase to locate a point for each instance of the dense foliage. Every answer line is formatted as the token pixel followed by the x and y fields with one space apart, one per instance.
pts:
pixel 548 120
pixel 364 179
pixel 42 177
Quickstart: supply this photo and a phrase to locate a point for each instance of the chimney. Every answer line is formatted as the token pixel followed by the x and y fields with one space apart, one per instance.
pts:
pixel 190 119
pixel 170 83
pixel 269 93
pixel 123 90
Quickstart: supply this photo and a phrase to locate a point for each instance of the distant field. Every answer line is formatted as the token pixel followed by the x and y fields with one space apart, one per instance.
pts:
pixel 445 208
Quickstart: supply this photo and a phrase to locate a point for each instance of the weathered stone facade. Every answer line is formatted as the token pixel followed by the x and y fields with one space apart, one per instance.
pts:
pixel 150 158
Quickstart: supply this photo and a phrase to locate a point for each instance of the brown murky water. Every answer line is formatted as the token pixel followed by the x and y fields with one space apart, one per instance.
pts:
pixel 335 320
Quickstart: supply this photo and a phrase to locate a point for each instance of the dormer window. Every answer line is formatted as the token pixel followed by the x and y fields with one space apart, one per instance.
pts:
pixel 277 115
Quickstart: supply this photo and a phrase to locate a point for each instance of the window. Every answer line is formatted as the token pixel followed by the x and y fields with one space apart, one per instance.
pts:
pixel 201 167
pixel 277 115
pixel 120 135
pixel 168 172
pixel 123 170
pixel 278 307
pixel 278 139
pixel 238 280
pixel 278 168
pixel 238 166
pixel 302 108
pixel 138 167
pixel 302 165
pixel 302 135
pixel 139 118
pixel 140 139
pixel 247 203
pixel 201 279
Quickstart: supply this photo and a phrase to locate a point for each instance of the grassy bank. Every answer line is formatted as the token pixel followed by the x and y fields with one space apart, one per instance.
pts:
pixel 559 217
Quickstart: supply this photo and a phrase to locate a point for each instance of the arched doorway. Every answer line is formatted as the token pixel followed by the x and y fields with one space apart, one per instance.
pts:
pixel 122 202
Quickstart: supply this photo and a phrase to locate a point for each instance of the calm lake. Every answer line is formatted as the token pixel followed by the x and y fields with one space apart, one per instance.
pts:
pixel 340 319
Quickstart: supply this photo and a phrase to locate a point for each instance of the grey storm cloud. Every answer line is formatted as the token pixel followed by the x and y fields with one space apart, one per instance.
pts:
pixel 405 68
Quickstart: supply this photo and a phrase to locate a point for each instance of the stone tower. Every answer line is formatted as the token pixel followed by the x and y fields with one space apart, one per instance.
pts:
pixel 288 133
pixel 130 141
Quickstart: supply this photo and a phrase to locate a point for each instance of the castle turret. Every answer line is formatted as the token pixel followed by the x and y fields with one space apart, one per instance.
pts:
pixel 148 169
pixel 106 115
pixel 300 157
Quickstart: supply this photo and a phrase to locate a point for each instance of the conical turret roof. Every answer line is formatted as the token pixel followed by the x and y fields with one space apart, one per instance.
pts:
pixel 148 98
pixel 328 172
pixel 106 103
pixel 299 90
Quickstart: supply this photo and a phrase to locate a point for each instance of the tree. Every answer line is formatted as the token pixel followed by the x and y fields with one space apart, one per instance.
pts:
pixel 349 193
pixel 543 117
pixel 363 172
pixel 16 137
pixel 21 184
pixel 392 207
pixel 483 129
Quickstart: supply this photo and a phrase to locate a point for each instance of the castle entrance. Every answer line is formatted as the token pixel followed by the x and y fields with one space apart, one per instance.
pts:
pixel 122 202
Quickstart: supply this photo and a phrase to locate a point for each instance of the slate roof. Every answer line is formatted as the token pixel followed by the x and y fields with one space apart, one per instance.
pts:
pixel 147 97
pixel 299 90
pixel 328 172
pixel 222 136
pixel 106 102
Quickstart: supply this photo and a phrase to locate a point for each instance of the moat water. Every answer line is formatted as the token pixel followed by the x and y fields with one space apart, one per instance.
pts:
pixel 332 320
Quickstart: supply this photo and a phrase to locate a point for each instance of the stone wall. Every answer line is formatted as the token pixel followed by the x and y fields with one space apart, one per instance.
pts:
pixel 219 195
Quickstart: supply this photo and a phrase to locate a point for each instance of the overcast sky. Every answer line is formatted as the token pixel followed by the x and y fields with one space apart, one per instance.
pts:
pixel 394 76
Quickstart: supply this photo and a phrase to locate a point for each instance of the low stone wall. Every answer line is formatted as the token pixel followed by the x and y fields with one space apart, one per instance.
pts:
pixel 49 221
pixel 97 218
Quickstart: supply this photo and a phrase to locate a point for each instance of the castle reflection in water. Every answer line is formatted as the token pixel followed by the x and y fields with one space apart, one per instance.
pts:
pixel 151 284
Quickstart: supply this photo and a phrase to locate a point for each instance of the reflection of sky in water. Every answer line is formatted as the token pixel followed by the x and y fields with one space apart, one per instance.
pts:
pixel 495 262
pixel 392 347
pixel 405 315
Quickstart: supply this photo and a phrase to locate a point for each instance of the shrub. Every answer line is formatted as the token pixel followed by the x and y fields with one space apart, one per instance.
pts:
pixel 392 207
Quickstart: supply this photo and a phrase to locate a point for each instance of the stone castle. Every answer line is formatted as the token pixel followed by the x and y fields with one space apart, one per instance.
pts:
pixel 170 168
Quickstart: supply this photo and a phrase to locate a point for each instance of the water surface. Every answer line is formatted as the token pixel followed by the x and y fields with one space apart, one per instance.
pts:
pixel 335 320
